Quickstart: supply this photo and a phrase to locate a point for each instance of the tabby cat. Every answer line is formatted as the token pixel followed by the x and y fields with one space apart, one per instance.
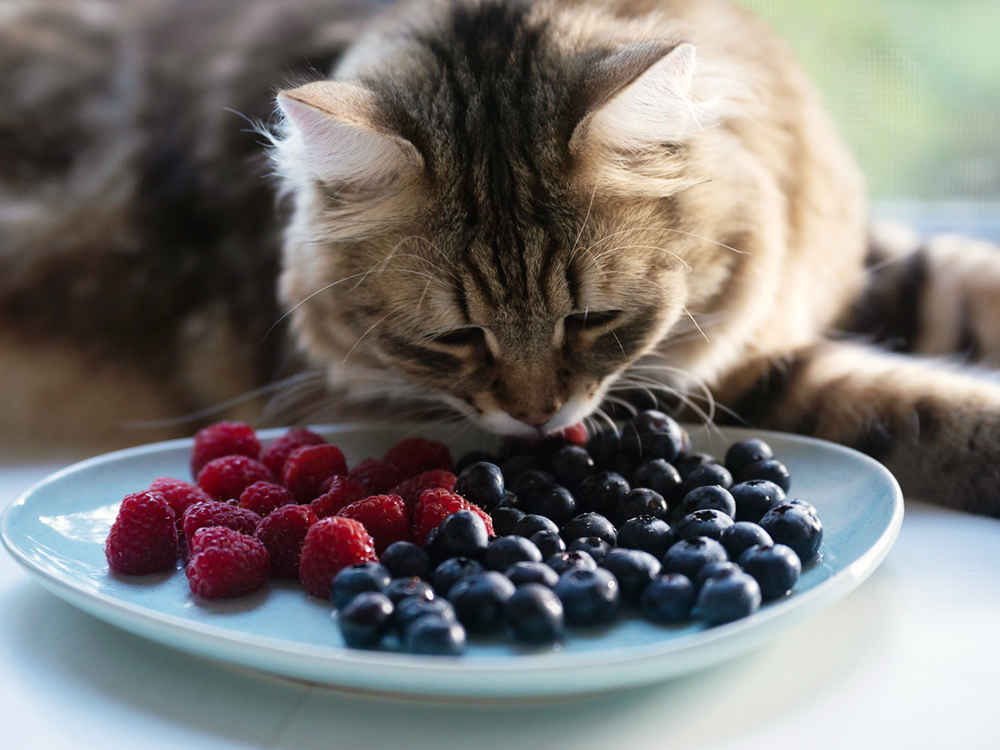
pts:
pixel 522 213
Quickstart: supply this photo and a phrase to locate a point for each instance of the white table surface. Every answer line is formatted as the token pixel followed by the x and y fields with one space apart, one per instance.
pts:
pixel 909 660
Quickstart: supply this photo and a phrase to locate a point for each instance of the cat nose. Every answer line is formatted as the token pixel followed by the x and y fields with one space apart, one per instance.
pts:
pixel 537 420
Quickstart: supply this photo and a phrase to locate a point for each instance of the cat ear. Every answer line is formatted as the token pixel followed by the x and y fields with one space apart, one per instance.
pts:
pixel 646 110
pixel 343 135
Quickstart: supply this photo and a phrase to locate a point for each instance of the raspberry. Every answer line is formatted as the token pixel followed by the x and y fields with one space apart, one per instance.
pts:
pixel 416 455
pixel 307 467
pixel 338 492
pixel 332 544
pixel 143 538
pixel 264 497
pixel 378 476
pixel 225 563
pixel 384 518
pixel 277 453
pixel 180 495
pixel 223 439
pixel 212 513
pixel 411 489
pixel 436 505
pixel 283 532
pixel 225 478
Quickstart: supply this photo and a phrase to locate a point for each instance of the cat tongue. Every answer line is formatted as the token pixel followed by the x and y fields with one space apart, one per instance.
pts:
pixel 575 434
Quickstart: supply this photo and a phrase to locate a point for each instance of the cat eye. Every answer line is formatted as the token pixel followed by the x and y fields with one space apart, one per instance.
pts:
pixel 461 337
pixel 591 319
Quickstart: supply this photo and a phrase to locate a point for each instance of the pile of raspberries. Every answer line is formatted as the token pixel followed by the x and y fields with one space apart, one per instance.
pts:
pixel 291 510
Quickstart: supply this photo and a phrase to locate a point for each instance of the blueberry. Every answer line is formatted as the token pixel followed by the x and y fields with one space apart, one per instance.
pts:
pixel 571 465
pixel 405 559
pixel 634 570
pixel 717 569
pixel 532 523
pixel 505 519
pixel 479 601
pixel 355 579
pixel 706 475
pixel 412 608
pixel 641 502
pixel 601 493
pixel 647 533
pixel 589 597
pixel 464 534
pixel 772 471
pixel 710 523
pixel 590 524
pixel 594 546
pixel 510 500
pixel 451 571
pixel 688 556
pixel 709 497
pixel 365 619
pixel 795 525
pixel 552 501
pixel 435 548
pixel 517 465
pixel 741 536
pixel 688 462
pixel 504 551
pixel 755 497
pixel 668 599
pixel 526 482
pixel 534 614
pixel 568 560
pixel 532 572
pixel 435 636
pixel 803 504
pixel 482 484
pixel 604 448
pixel 399 588
pixel 549 543
pixel 728 598
pixel 652 434
pixel 775 566
pixel 474 457
pixel 740 455
pixel 660 476
pixel 513 448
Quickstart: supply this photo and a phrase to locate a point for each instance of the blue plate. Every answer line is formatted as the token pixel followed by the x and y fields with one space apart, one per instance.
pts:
pixel 57 531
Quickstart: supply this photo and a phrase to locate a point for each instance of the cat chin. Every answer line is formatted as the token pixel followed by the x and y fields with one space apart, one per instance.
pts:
pixel 573 412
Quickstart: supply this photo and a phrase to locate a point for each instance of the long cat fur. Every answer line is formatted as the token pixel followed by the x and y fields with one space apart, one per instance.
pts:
pixel 518 212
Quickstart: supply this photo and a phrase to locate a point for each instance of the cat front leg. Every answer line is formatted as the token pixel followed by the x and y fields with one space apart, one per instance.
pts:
pixel 935 425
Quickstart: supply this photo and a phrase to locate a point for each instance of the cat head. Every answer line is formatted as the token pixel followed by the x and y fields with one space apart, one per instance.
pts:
pixel 497 207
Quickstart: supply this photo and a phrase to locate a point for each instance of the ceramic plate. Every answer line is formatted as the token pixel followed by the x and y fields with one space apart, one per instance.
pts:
pixel 57 531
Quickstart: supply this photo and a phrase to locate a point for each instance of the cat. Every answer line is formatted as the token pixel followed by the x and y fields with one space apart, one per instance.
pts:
pixel 520 213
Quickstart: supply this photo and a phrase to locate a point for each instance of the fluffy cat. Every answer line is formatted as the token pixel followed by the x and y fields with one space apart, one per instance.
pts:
pixel 518 211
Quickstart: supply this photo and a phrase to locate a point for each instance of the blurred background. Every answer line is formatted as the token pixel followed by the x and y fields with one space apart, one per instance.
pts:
pixel 915 87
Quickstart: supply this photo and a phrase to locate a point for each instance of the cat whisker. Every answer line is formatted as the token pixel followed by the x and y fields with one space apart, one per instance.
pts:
pixel 704 335
pixel 370 329
pixel 631 409
pixel 640 247
pixel 222 406
pixel 302 302
pixel 576 242
pixel 669 229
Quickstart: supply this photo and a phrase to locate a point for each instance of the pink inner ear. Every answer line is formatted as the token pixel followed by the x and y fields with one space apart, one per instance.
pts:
pixel 655 108
pixel 340 150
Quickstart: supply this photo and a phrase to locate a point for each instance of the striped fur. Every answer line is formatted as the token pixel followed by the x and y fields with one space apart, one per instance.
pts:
pixel 515 212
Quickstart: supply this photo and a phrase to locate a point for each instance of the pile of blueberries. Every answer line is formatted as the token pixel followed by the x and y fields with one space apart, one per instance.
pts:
pixel 634 521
